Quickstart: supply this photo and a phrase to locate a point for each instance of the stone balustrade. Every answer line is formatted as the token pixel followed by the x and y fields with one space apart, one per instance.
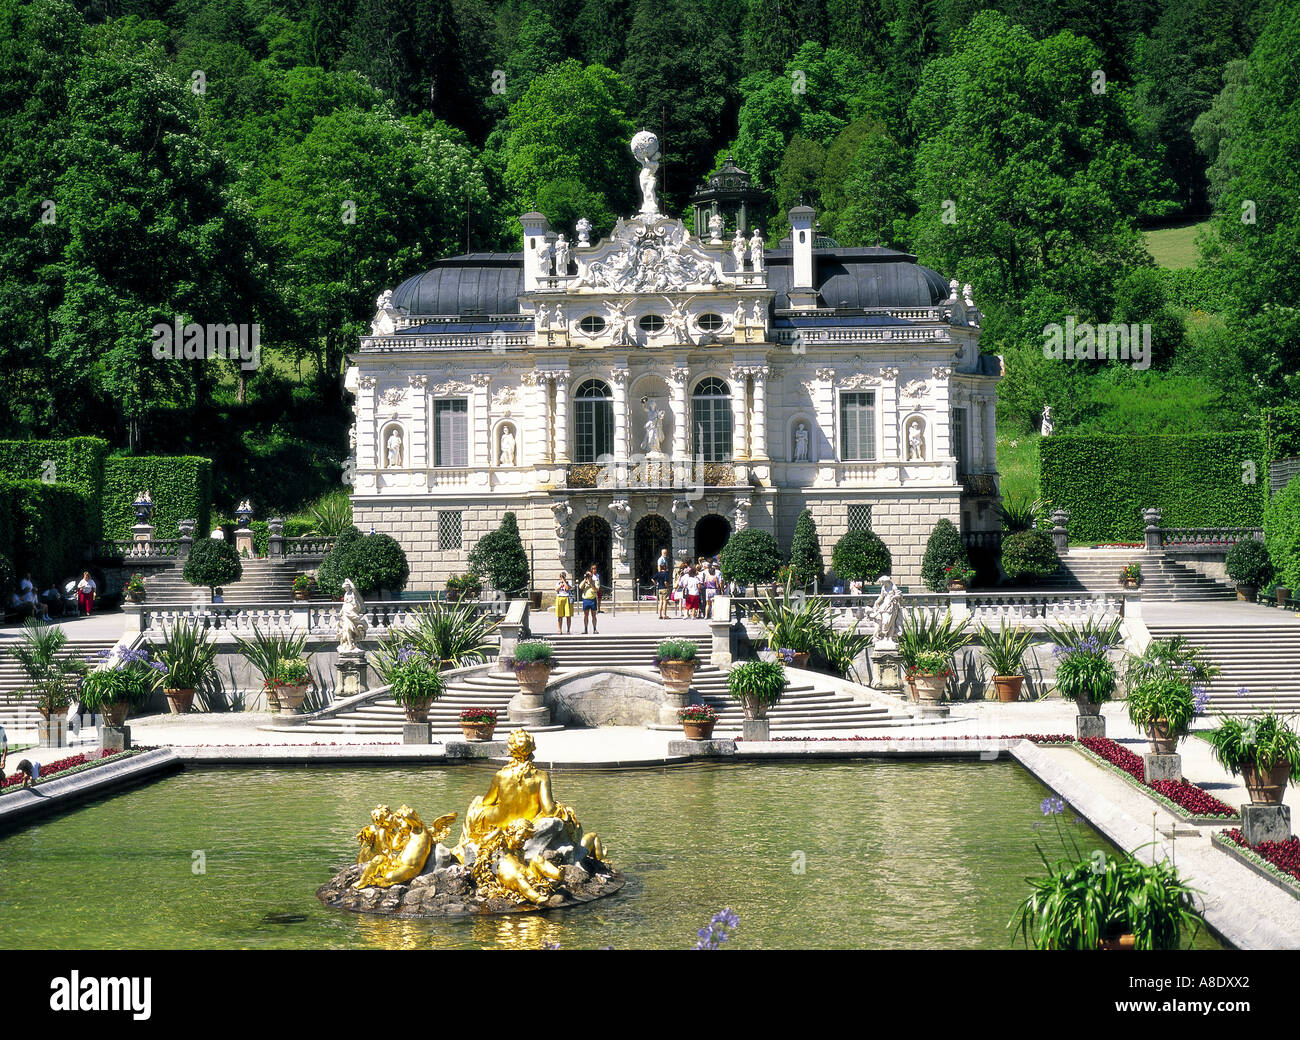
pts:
pixel 1207 539
pixel 144 549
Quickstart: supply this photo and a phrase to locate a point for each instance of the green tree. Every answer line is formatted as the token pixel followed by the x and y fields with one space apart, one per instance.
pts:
pixel 942 549
pixel 1282 534
pixel 861 556
pixel 750 557
pixel 499 556
pixel 212 563
pixel 1213 131
pixel 806 551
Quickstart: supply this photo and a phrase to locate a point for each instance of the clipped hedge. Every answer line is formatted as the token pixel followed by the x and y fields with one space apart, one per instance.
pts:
pixel 181 486
pixel 1282 534
pixel 77 462
pixel 1197 480
pixel 43 528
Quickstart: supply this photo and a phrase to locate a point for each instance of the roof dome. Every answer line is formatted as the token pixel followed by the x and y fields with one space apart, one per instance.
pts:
pixel 478 283
pixel 877 277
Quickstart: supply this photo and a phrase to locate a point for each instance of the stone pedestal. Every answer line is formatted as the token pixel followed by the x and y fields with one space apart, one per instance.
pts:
pixel 417 733
pixel 527 709
pixel 244 542
pixel 701 748
pixel 115 738
pixel 755 729
pixel 353 678
pixel 1089 726
pixel 1265 822
pixel 1162 767
pixel 668 710
pixel 52 732
pixel 142 532
pixel 887 671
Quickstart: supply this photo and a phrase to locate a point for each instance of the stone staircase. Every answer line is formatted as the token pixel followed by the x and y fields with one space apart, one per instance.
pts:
pixel 1264 659
pixel 1162 579
pixel 263 581
pixel 810 702
pixel 17 703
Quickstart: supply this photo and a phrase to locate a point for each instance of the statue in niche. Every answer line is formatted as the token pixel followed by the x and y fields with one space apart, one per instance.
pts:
pixel 506 456
pixel 738 250
pixel 715 229
pixel 584 231
pixel 915 440
pixel 801 443
pixel 645 149
pixel 562 250
pixel 654 426
pixel 738 319
pixel 756 250
pixel 756 314
pixel 394 446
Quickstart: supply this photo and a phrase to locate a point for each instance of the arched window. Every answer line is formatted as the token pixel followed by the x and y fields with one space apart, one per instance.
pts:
pixel 711 411
pixel 593 407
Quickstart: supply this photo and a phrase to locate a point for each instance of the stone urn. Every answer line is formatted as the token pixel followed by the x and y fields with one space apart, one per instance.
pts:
pixel 302 594
pixel 677 676
pixel 272 698
pixel 1008 687
pixel 291 698
pixel 1266 787
pixel 1163 742
pixel 115 714
pixel 1246 593
pixel 930 687
pixel 477 730
pixel 418 711
pixel 532 677
pixel 698 730
pixel 1087 706
pixel 956 586
pixel 1130 583
pixel 135 597
pixel 179 701
pixel 911 689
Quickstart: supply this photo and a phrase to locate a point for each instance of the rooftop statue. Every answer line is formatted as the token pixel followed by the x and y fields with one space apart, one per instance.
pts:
pixel 645 149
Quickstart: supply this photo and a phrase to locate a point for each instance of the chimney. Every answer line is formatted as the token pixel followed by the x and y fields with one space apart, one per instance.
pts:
pixel 536 227
pixel 803 284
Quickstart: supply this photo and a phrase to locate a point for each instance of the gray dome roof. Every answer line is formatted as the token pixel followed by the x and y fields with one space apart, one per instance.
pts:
pixel 478 283
pixel 876 277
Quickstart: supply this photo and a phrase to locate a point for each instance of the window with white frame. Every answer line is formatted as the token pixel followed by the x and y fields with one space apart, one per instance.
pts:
pixel 711 409
pixel 857 426
pixel 593 421
pixel 451 432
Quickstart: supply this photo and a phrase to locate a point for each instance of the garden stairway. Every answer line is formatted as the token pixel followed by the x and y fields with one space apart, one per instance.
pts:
pixel 1162 579
pixel 811 702
pixel 1262 659
pixel 17 703
pixel 263 581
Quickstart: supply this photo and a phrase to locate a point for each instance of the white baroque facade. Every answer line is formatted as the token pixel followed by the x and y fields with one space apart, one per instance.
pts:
pixel 657 389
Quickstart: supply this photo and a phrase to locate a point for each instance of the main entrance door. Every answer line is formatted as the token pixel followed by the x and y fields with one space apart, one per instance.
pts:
pixel 711 534
pixel 591 544
pixel 652 536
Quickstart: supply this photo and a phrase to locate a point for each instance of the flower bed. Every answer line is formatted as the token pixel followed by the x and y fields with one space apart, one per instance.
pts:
pixel 1187 800
pixel 1036 738
pixel 1278 858
pixel 65 766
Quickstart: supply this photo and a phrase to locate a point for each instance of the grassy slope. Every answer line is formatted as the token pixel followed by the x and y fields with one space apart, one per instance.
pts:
pixel 1176 246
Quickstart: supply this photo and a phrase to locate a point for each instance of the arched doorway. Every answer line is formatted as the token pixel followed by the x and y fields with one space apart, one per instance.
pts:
pixel 591 544
pixel 711 534
pixel 652 536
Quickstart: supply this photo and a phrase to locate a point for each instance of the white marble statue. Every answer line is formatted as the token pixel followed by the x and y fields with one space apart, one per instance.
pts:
pixel 645 149
pixel 584 231
pixel 715 229
pixel 384 323
pixel 738 318
pixel 562 251
pixel 352 620
pixel 756 250
pixel 801 443
pixel 1048 426
pixel 968 295
pixel 545 258
pixel 394 446
pixel 506 457
pixel 654 426
pixel 915 441
pixel 678 323
pixel 562 512
pixel 738 250
pixel 887 614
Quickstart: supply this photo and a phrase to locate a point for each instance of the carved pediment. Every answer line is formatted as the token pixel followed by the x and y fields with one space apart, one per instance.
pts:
pixel 646 256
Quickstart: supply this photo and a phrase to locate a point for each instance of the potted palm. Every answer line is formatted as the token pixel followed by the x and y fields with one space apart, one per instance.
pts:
pixel 52 676
pixel 534 660
pixel 698 721
pixel 1263 750
pixel 1004 652
pixel 478 723
pixel 676 660
pixel 757 685
pixel 1249 566
pixel 1131 576
pixel 188 655
pixel 302 587
pixel 123 680
pixel 451 634
pixel 1162 705
pixel 134 588
pixel 931 644
pixel 266 651
pixel 795 622
pixel 414 680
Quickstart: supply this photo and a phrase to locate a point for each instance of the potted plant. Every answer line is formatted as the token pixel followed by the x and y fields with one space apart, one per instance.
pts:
pixel 1162 706
pixel 1004 652
pixel 464 586
pixel 676 661
pixel 265 652
pixel 1131 576
pixel 795 622
pixel 52 676
pixel 478 723
pixel 960 576
pixel 750 558
pixel 928 649
pixel 1249 566
pixel 451 634
pixel 414 680
pixel 134 588
pixel 534 660
pixel 188 654
pixel 1085 673
pixel 698 721
pixel 123 680
pixel 292 677
pixel 302 587
pixel 757 685
pixel 212 563
pixel 1263 750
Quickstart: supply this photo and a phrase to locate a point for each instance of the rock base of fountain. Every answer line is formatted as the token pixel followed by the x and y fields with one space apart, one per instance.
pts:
pixel 450 892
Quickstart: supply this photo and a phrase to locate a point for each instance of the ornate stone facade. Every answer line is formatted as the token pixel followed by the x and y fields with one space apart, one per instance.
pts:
pixel 657 389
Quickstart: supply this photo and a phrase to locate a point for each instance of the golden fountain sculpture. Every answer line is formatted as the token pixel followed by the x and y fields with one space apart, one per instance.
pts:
pixel 396 845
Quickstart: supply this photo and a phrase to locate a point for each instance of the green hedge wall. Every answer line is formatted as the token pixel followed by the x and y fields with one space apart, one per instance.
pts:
pixel 77 462
pixel 43 528
pixel 181 487
pixel 1197 480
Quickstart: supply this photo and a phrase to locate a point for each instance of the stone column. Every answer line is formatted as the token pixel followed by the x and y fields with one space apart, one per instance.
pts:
pixel 975 424
pixel 367 457
pixel 618 381
pixel 759 450
pixel 481 449
pixel 739 414
pixel 560 451
pixel 890 447
pixel 417 448
pixel 681 417
pixel 535 445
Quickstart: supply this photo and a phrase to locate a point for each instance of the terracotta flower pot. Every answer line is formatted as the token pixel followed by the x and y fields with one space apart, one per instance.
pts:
pixel 533 676
pixel 800 659
pixel 291 698
pixel 929 688
pixel 677 675
pixel 272 699
pixel 135 597
pixel 1283 594
pixel 418 711
pixel 1127 941
pixel 115 714
pixel 302 594
pixel 1008 687
pixel 1130 583
pixel 956 586
pixel 911 688
pixel 698 730
pixel 477 730
pixel 179 701
pixel 753 708
pixel 1266 787
pixel 1163 742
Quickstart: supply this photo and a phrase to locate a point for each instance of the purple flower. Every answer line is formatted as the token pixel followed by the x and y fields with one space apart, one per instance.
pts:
pixel 714 934
pixel 1200 700
pixel 1243 691
pixel 1052 806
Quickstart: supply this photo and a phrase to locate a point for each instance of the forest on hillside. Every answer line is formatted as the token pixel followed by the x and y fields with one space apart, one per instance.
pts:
pixel 279 162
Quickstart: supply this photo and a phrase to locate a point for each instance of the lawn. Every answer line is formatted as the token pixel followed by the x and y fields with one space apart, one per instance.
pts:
pixel 1175 246
pixel 1018 465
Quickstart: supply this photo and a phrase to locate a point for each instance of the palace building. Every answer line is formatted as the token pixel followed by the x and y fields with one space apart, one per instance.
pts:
pixel 657 389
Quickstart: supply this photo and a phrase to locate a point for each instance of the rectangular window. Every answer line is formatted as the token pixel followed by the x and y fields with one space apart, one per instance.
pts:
pixel 713 428
pixel 857 426
pixel 859 518
pixel 959 438
pixel 451 432
pixel 449 530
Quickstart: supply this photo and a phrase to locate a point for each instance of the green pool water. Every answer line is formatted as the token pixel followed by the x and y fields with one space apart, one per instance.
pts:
pixel 895 855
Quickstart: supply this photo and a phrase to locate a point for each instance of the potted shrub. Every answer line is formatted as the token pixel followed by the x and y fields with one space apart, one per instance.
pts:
pixel 960 576
pixel 51 674
pixel 1029 554
pixel 464 586
pixel 676 661
pixel 500 557
pixel 861 556
pixel 212 563
pixel 265 652
pixel 1004 652
pixel 534 660
pixel 292 677
pixel 750 558
pixel 134 588
pixel 1085 673
pixel 698 721
pixel 414 680
pixel 794 622
pixel 1131 576
pixel 1263 750
pixel 1249 566
pixel 944 551
pixel 927 646
pixel 123 680
pixel 757 685
pixel 188 654
pixel 1162 706
pixel 478 723
pixel 302 587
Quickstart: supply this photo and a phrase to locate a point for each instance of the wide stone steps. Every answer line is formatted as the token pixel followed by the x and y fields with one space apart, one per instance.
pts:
pixel 1264 659
pixel 1162 579
pixel 17 702
pixel 262 581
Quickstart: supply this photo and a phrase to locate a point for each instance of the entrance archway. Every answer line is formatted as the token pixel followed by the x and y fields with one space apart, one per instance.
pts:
pixel 591 544
pixel 653 534
pixel 711 534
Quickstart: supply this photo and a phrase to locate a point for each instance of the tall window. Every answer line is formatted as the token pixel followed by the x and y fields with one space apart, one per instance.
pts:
pixel 857 426
pixel 959 438
pixel 593 407
pixel 711 408
pixel 451 432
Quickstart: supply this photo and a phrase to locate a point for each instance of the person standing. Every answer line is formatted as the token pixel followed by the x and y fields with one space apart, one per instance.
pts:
pixel 564 594
pixel 662 578
pixel 712 580
pixel 589 592
pixel 86 592
pixel 691 588
pixel 4 751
